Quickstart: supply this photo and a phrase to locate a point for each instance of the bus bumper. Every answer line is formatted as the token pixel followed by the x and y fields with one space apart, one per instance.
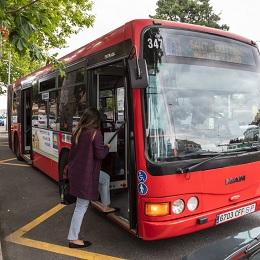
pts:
pixel 172 228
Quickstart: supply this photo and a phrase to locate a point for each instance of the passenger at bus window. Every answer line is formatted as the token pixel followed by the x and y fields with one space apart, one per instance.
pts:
pixel 86 179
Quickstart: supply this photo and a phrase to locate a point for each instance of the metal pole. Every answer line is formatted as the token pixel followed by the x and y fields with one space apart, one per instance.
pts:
pixel 8 83
pixel 6 119
pixel 9 67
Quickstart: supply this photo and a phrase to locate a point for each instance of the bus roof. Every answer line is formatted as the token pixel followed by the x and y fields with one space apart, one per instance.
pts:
pixel 130 30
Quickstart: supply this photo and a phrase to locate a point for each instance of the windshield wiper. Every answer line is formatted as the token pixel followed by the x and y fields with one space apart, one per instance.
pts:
pixel 197 154
pixel 192 155
pixel 194 166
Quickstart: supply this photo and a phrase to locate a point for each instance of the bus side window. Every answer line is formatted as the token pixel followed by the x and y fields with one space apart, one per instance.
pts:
pixel 42 114
pixel 14 108
pixel 35 106
pixel 106 108
pixel 73 99
pixel 53 109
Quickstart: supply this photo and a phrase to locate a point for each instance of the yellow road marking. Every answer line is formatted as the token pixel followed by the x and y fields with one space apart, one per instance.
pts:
pixel 7 160
pixel 16 164
pixel 17 237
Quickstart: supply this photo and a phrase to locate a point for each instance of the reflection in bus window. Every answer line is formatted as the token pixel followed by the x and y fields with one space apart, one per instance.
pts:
pixel 42 114
pixel 54 120
pixel 209 116
pixel 47 84
pixel 201 95
pixel 120 100
pixel 14 108
pixel 106 105
pixel 73 100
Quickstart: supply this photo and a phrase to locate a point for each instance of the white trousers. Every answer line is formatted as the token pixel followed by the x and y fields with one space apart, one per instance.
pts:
pixel 82 206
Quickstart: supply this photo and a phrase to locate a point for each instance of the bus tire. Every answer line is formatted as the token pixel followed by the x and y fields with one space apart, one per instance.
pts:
pixel 17 148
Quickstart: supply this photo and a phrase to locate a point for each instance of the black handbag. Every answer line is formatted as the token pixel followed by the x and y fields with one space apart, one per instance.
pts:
pixel 65 196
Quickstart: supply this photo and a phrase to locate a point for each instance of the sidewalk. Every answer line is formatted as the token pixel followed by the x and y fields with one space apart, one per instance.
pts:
pixel 3 131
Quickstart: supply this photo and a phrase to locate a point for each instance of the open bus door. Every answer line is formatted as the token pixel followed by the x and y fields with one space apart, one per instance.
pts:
pixel 26 121
pixel 108 86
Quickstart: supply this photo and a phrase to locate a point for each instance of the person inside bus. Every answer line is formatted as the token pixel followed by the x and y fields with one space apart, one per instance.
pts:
pixel 86 179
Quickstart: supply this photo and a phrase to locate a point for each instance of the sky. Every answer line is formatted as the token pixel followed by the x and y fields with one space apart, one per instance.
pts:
pixel 242 17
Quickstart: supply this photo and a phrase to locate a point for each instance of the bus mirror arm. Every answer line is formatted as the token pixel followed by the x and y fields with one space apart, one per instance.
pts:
pixel 138 73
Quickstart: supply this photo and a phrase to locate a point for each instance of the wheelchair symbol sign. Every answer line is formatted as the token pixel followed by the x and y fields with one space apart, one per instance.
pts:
pixel 142 188
pixel 142 177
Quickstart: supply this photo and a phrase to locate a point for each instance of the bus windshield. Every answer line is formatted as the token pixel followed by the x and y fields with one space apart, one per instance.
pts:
pixel 203 94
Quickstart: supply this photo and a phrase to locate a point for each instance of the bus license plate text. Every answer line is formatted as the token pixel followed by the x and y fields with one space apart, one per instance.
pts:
pixel 236 213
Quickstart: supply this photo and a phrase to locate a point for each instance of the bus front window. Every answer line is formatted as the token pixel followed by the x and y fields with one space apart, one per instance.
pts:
pixel 203 94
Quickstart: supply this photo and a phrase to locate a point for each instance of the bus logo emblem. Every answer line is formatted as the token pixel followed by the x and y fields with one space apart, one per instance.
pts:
pixel 235 179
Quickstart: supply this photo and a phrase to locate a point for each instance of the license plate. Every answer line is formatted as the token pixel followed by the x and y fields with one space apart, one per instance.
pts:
pixel 236 213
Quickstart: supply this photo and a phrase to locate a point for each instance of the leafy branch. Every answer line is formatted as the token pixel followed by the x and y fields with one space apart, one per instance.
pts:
pixel 22 7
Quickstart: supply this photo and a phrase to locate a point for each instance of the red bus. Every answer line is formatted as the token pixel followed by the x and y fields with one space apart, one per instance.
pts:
pixel 183 97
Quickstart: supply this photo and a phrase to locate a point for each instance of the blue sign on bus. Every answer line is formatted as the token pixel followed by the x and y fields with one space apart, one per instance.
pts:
pixel 142 188
pixel 142 177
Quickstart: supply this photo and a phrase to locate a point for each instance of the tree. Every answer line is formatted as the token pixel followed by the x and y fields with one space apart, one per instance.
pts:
pixel 189 11
pixel 29 28
pixel 18 66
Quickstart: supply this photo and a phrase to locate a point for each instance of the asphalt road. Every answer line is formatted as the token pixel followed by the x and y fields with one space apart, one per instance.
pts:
pixel 26 193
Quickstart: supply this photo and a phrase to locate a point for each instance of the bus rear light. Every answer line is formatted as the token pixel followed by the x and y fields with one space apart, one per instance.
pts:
pixel 178 206
pixel 192 203
pixel 157 209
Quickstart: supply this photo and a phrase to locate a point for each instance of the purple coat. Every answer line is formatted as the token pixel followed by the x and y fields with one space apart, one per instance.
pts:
pixel 84 164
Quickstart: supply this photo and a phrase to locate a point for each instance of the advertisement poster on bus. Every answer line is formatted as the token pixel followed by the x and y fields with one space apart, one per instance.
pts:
pixel 45 142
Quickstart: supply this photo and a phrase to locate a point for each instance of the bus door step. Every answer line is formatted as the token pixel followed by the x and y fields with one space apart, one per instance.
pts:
pixel 114 185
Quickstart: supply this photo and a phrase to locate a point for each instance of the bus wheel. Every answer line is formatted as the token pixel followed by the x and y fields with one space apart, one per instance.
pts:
pixel 17 148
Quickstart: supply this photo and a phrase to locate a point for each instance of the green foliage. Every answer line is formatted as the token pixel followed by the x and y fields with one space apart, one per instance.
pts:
pixel 19 66
pixel 36 26
pixel 189 11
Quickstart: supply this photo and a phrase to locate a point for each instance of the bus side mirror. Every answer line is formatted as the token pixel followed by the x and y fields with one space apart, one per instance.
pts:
pixel 138 73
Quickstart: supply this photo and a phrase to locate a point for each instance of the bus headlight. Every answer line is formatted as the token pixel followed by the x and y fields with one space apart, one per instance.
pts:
pixel 157 209
pixel 178 206
pixel 193 203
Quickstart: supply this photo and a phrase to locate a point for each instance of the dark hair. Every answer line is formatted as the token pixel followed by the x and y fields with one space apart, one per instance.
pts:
pixel 89 120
